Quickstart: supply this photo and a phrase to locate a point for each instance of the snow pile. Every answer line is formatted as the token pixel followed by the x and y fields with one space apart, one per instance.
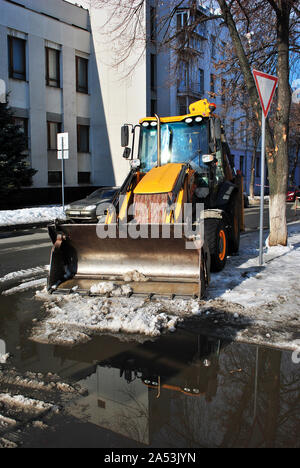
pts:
pixel 20 401
pixel 85 315
pixel 4 358
pixel 31 215
pixel 26 286
pixel 19 275
pixel 115 315
pixel 6 423
pixel 111 289
pixel 135 276
pixel 244 282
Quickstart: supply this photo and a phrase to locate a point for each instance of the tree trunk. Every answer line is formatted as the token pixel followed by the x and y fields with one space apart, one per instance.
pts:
pixel 276 151
pixel 279 163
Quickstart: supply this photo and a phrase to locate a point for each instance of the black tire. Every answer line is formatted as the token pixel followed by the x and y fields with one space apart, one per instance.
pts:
pixel 217 240
pixel 234 230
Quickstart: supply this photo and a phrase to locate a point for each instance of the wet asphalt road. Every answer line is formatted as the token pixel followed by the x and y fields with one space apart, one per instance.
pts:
pixel 21 250
pixel 31 248
pixel 150 394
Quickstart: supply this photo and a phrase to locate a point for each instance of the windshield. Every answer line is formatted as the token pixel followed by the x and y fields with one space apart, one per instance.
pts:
pixel 180 142
pixel 101 193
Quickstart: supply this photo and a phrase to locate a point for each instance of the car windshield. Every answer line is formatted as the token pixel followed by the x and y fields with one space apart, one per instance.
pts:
pixel 180 142
pixel 96 194
pixel 101 193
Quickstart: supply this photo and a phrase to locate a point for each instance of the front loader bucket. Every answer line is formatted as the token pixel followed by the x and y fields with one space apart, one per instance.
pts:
pixel 152 266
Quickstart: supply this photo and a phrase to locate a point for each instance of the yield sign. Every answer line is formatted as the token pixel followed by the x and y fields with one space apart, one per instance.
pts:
pixel 266 85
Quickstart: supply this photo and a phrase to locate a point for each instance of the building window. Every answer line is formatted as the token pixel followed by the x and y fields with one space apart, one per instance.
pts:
pixel 223 91
pixel 182 105
pixel 232 131
pixel 52 67
pixel 53 129
pixel 201 81
pixel 82 75
pixel 153 25
pixel 84 177
pixel 54 177
pixel 242 163
pixel 213 46
pixel 182 82
pixel 17 58
pixel 83 138
pixel 153 65
pixel 212 83
pixel 23 126
pixel 182 20
pixel 153 107
pixel 243 132
pixel 257 168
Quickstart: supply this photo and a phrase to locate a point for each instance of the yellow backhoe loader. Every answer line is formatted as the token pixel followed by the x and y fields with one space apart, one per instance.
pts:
pixel 176 218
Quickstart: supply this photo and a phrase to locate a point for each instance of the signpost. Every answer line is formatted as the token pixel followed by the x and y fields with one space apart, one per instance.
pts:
pixel 2 92
pixel 62 154
pixel 266 85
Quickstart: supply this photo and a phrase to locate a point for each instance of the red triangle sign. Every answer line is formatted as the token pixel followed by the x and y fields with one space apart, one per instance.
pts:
pixel 266 85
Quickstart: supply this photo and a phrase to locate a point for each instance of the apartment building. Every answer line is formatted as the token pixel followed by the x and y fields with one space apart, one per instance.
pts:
pixel 51 76
pixel 57 63
pixel 186 72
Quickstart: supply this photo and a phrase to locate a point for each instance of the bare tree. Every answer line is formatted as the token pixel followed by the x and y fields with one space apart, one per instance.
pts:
pixel 264 34
pixel 279 12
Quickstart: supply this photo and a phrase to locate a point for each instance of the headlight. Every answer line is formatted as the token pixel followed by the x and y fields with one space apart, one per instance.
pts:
pixel 90 208
pixel 67 207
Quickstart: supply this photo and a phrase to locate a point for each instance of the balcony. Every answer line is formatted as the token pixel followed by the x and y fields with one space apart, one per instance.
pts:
pixel 191 90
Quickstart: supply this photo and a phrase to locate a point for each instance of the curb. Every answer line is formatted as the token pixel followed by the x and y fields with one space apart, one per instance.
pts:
pixel 24 227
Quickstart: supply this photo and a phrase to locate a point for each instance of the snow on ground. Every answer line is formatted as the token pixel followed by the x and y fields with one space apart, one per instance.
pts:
pixel 31 215
pixel 26 286
pixel 20 275
pixel 244 282
pixel 76 314
pixel 20 401
pixel 256 304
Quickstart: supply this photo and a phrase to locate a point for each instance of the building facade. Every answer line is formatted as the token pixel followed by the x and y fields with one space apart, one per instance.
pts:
pixel 58 68
pixel 51 75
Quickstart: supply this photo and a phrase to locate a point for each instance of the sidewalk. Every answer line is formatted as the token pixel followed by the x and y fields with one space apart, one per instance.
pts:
pixel 255 201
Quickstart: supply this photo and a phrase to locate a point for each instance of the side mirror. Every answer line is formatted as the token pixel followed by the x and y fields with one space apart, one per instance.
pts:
pixel 208 158
pixel 124 136
pixel 127 152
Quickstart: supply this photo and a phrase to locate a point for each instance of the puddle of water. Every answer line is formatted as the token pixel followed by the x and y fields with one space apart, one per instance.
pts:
pixel 180 390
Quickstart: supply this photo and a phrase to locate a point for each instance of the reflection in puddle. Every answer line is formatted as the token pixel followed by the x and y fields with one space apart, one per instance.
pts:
pixel 181 390
pixel 128 392
pixel 193 391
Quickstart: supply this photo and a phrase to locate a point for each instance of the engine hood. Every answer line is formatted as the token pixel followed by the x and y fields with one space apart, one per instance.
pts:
pixel 159 179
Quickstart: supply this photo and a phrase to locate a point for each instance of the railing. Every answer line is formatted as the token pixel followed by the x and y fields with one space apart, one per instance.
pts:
pixel 191 89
